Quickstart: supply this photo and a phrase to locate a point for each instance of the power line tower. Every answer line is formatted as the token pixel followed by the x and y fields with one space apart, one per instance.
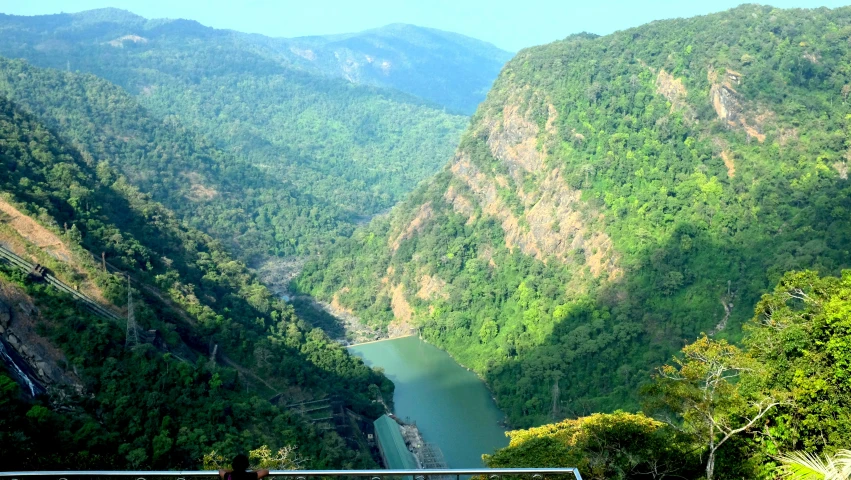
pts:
pixel 131 338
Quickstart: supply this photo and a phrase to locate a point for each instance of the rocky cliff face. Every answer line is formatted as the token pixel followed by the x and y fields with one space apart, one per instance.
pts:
pixel 552 221
pixel 613 198
pixel 523 190
pixel 18 320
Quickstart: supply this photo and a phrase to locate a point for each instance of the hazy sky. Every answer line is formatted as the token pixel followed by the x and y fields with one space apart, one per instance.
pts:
pixel 511 25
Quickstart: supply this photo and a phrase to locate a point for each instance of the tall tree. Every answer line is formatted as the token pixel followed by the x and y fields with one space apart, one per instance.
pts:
pixel 715 392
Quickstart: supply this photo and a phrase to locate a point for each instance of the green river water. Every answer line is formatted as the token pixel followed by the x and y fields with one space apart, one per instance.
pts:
pixel 450 404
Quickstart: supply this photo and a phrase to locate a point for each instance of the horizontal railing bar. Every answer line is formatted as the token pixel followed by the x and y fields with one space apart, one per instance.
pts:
pixel 304 473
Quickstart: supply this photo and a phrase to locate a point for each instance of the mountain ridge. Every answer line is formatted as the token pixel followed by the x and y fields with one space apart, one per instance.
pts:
pixel 614 197
pixel 346 150
pixel 370 57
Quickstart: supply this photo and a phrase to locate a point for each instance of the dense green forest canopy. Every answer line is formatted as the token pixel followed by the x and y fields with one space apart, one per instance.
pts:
pixel 327 151
pixel 615 197
pixel 795 349
pixel 251 211
pixel 144 408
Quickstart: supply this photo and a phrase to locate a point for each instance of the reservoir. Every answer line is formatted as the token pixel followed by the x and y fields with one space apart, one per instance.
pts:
pixel 451 405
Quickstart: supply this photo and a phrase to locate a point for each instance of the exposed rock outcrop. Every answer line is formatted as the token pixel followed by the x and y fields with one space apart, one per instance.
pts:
pixel 675 92
pixel 198 192
pixel 513 138
pixel 555 223
pixel 18 320
pixel 727 104
pixel 841 169
pixel 459 202
pixel 134 39
pixel 431 287
pixel 419 221
pixel 727 157
pixel 402 312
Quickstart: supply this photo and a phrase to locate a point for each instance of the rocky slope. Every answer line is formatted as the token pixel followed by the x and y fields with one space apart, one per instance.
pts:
pixel 614 197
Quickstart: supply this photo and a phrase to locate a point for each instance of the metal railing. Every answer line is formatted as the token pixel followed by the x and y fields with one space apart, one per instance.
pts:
pixel 487 473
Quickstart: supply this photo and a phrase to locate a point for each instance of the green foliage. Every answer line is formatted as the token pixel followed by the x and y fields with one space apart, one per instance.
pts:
pixel 260 458
pixel 689 236
pixel 443 68
pixel 145 408
pixel 794 355
pixel 271 160
pixel 806 466
pixel 715 392
pixel 801 331
pixel 602 446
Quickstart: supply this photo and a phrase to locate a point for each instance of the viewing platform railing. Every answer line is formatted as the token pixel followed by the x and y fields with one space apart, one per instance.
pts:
pixel 486 473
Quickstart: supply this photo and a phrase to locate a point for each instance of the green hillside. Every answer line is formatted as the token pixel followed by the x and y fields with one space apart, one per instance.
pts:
pixel 333 150
pixel 226 344
pixel 784 391
pixel 249 210
pixel 448 69
pixel 613 198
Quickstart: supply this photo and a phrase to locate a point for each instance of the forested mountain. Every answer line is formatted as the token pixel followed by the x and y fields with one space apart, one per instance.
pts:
pixel 224 345
pixel 250 210
pixel 340 150
pixel 446 68
pixel 613 198
pixel 728 412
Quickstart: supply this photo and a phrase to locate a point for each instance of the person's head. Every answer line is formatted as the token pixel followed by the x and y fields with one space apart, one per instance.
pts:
pixel 240 463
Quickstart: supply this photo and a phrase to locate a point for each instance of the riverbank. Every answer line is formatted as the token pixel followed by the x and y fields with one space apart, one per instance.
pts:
pixel 379 340
pixel 450 405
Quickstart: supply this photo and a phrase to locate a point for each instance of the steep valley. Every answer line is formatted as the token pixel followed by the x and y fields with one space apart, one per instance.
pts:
pixel 273 158
pixel 222 344
pixel 636 250
pixel 613 198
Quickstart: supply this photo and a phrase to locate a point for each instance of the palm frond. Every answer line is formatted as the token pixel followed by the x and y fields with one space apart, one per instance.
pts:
pixel 842 461
pixel 807 466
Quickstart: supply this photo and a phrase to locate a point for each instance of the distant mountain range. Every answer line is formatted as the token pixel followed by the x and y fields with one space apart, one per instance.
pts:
pixel 339 150
pixel 447 69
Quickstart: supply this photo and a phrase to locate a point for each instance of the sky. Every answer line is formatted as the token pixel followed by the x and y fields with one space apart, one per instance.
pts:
pixel 510 25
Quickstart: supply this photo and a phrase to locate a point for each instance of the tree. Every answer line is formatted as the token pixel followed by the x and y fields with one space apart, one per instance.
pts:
pixel 285 458
pixel 488 331
pixel 714 393
pixel 802 334
pixel 619 445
